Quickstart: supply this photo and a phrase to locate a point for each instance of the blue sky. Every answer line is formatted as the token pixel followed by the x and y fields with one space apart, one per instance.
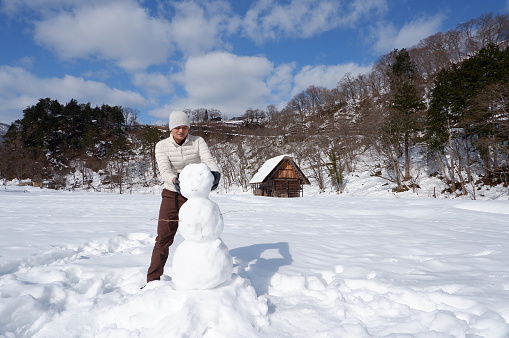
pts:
pixel 156 56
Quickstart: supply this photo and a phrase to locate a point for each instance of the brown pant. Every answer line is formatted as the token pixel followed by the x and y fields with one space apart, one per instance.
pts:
pixel 166 229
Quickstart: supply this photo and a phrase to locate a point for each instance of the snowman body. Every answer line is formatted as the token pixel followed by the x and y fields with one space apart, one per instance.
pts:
pixel 202 260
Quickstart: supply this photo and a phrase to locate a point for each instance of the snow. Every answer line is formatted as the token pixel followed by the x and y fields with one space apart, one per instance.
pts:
pixel 324 265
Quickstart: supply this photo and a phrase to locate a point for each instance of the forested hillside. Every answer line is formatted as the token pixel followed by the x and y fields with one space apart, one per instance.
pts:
pixel 446 99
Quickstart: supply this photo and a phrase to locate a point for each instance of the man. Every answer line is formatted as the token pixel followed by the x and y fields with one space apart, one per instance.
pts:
pixel 172 155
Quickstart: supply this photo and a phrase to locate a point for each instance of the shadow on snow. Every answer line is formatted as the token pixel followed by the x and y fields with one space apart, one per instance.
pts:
pixel 260 270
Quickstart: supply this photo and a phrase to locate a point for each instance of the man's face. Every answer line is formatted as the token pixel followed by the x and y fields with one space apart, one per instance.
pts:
pixel 180 133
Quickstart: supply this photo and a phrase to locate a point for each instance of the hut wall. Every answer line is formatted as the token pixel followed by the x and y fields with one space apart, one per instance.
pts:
pixel 286 171
pixel 287 188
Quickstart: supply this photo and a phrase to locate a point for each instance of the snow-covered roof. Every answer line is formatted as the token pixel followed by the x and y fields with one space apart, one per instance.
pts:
pixel 266 169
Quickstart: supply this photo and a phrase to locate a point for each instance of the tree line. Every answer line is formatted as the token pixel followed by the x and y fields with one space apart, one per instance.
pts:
pixel 53 140
pixel 446 99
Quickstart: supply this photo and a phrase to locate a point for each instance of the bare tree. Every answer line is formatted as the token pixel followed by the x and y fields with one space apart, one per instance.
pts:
pixel 130 116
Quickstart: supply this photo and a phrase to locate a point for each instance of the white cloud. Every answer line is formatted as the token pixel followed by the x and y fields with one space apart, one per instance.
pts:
pixel 325 76
pixel 126 33
pixel 267 20
pixel 388 38
pixel 118 31
pixel 197 28
pixel 20 89
pixel 364 8
pixel 14 7
pixel 214 76
pixel 281 82
pixel 153 83
pixel 223 81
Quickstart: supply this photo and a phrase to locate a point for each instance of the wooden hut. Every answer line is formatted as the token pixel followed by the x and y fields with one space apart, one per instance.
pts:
pixel 279 177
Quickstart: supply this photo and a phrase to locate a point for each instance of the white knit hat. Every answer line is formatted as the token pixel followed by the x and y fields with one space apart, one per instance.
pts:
pixel 178 118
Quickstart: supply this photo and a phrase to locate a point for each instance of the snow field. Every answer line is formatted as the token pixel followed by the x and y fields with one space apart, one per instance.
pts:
pixel 72 264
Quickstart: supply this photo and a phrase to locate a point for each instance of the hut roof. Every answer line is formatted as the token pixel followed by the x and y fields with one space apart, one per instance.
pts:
pixel 270 165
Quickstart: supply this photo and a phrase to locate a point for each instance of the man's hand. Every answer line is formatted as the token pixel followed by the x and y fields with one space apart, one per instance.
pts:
pixel 217 176
pixel 176 183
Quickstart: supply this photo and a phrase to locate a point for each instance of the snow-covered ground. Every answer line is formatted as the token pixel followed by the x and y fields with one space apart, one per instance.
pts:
pixel 72 264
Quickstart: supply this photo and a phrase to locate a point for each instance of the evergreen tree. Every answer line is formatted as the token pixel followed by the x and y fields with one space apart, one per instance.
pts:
pixel 405 103
pixel 455 113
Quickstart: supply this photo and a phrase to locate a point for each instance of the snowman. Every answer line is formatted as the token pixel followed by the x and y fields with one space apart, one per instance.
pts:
pixel 202 260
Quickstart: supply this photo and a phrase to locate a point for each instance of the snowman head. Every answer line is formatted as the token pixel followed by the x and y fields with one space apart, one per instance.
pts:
pixel 196 180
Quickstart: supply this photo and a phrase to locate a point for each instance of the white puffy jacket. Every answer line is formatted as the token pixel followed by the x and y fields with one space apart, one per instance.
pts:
pixel 172 158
